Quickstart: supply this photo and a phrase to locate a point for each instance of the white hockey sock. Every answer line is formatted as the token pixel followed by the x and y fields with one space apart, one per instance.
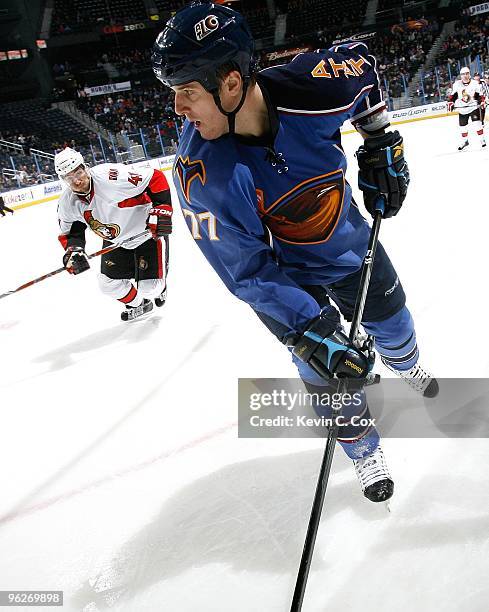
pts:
pixel 480 129
pixel 120 289
pixel 151 288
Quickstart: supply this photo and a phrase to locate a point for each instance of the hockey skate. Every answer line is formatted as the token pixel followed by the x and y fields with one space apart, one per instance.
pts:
pixel 418 379
pixel 374 477
pixel 161 299
pixel 463 145
pixel 483 143
pixel 137 312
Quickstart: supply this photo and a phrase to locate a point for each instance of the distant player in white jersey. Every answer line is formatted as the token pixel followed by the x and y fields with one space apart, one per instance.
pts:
pixel 484 91
pixel 117 202
pixel 467 98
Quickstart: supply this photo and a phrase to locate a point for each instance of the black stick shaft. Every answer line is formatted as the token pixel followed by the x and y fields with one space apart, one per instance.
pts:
pixel 368 262
pixel 322 483
pixel 314 519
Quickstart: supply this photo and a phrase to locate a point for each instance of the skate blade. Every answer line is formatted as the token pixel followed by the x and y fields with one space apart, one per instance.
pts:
pixel 372 379
pixel 387 506
pixel 142 317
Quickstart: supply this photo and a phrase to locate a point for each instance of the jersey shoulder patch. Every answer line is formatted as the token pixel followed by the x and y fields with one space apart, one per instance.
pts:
pixel 325 80
pixel 187 170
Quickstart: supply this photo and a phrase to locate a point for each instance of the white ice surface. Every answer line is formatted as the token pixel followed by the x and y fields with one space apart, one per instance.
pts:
pixel 123 482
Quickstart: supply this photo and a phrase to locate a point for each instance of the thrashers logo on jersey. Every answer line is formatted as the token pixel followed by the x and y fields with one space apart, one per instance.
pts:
pixel 307 214
pixel 187 171
pixel 107 231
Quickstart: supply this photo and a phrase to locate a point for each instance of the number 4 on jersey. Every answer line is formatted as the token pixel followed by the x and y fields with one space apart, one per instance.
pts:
pixel 134 178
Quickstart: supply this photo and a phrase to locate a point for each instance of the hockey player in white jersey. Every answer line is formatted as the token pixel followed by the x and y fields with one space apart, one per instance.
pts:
pixel 117 202
pixel 484 91
pixel 467 98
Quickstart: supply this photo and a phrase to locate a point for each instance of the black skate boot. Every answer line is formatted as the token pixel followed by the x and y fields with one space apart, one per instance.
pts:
pixel 418 379
pixel 463 145
pixel 137 312
pixel 161 299
pixel 374 477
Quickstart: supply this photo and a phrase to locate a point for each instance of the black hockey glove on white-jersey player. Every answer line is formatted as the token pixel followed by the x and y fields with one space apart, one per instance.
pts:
pixel 328 351
pixel 383 173
pixel 159 220
pixel 75 260
pixel 4 208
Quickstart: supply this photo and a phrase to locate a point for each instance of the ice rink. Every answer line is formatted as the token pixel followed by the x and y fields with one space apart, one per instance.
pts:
pixel 123 481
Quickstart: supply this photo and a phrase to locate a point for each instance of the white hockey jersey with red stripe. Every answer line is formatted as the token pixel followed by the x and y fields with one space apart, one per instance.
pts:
pixel 118 205
pixel 466 101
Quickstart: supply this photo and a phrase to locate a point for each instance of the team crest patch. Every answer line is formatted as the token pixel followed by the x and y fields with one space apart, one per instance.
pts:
pixel 307 214
pixel 142 264
pixel 107 231
pixel 206 26
pixel 187 171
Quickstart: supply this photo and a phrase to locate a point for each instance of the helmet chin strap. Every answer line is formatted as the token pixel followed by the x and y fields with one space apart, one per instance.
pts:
pixel 232 114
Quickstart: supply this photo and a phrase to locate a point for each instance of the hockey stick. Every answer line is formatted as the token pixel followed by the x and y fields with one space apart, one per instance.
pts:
pixel 54 272
pixel 317 505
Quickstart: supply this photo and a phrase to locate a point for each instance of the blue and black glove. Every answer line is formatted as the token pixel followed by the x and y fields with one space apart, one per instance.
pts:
pixel 328 351
pixel 383 172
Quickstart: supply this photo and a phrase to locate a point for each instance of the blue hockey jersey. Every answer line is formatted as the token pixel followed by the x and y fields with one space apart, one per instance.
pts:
pixel 273 216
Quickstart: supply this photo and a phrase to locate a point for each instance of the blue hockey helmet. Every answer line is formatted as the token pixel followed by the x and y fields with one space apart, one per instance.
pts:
pixel 199 39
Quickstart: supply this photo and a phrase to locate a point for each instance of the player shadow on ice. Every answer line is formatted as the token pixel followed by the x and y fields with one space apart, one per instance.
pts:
pixel 250 516
pixel 459 410
pixel 458 153
pixel 62 356
pixel 416 546
pixel 23 505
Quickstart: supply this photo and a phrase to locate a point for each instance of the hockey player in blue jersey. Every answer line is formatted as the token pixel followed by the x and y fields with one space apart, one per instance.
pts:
pixel 260 175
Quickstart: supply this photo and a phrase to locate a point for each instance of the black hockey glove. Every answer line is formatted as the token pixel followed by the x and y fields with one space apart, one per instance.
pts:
pixel 328 350
pixel 4 208
pixel 159 220
pixel 383 173
pixel 75 260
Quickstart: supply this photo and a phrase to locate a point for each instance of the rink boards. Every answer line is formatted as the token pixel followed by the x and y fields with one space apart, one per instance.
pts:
pixel 47 192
